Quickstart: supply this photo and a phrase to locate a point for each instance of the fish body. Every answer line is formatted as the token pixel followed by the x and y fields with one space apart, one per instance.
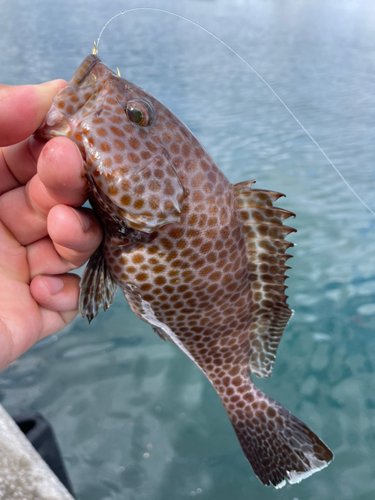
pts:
pixel 199 259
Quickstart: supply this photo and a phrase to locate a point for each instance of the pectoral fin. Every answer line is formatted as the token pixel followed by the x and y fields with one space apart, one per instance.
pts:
pixel 97 287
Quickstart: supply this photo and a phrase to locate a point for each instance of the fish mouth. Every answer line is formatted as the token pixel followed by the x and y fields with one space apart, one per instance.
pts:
pixel 54 124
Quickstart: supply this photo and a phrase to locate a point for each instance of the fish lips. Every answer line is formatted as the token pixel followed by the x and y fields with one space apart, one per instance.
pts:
pixel 54 124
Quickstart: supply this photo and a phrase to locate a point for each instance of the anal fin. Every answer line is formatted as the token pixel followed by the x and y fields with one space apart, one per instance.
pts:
pixel 97 286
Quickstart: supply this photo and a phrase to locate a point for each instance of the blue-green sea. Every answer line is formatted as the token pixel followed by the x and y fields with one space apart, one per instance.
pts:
pixel 134 417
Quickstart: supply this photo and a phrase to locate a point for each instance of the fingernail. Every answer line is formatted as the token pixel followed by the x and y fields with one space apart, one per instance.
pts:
pixel 54 284
pixel 84 220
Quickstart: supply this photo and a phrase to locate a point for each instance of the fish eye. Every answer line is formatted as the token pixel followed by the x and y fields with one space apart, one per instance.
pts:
pixel 135 115
pixel 139 111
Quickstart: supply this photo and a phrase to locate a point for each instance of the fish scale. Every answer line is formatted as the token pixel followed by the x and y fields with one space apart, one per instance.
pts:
pixel 199 259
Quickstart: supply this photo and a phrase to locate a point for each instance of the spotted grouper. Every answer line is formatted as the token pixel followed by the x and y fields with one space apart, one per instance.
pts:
pixel 198 258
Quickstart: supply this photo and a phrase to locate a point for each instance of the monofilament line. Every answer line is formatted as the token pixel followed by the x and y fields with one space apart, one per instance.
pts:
pixel 257 74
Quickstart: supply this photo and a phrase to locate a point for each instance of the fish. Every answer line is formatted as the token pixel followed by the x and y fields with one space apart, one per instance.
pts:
pixel 201 260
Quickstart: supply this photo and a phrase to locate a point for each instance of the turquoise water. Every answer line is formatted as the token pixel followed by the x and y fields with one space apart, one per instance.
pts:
pixel 134 417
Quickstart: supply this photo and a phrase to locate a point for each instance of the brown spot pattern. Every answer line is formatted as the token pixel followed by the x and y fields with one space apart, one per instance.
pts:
pixel 191 252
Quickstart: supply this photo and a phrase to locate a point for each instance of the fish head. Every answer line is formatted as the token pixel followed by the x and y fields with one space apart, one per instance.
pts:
pixel 124 135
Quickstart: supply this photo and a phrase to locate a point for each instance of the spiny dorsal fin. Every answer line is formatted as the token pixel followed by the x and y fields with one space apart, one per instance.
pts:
pixel 265 233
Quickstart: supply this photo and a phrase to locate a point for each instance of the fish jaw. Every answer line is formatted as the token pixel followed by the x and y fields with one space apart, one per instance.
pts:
pixel 83 96
pixel 55 124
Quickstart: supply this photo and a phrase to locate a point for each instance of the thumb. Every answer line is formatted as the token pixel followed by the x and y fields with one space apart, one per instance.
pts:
pixel 23 108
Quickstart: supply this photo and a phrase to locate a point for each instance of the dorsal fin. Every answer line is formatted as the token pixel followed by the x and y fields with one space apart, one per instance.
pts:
pixel 265 233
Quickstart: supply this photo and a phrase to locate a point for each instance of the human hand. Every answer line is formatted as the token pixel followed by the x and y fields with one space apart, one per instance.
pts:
pixel 42 237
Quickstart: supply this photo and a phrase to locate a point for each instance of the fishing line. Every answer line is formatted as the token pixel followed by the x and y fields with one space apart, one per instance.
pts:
pixel 96 48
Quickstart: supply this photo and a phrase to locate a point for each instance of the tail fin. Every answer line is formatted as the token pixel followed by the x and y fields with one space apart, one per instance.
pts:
pixel 278 446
